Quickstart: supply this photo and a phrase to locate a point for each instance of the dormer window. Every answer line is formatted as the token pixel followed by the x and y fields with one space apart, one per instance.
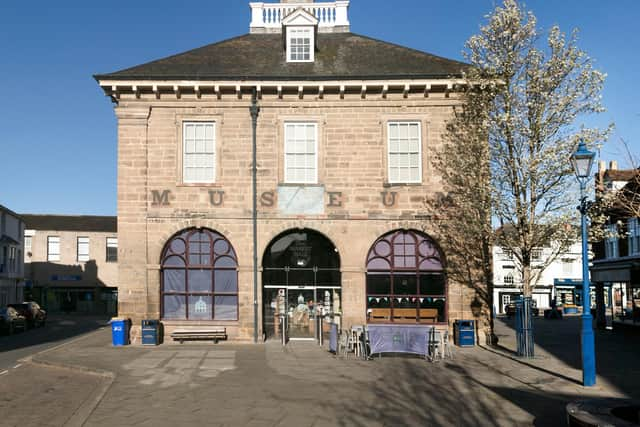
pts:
pixel 300 44
pixel 299 28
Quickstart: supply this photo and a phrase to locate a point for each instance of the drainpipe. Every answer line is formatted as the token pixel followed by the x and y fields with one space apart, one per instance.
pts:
pixel 255 110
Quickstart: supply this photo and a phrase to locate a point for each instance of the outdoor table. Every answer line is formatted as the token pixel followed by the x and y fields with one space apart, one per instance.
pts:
pixel 398 338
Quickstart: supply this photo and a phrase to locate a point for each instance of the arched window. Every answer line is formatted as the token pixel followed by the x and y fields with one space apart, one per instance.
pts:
pixel 199 277
pixel 508 279
pixel 405 279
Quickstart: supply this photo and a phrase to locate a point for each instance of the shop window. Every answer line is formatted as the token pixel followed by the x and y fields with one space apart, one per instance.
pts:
pixel 405 279
pixel 112 249
pixel 53 248
pixel 199 277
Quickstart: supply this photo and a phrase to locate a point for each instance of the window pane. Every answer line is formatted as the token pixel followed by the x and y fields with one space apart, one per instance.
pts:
pixel 200 307
pixel 405 285
pixel 225 262
pixel 328 278
pixel 226 308
pixel 174 280
pixel 274 277
pixel 432 284
pixel 437 303
pixel 226 281
pixel 174 307
pixel 379 284
pixel 200 280
pixel 198 162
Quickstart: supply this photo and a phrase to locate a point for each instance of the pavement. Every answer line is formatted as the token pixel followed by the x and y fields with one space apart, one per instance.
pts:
pixel 88 382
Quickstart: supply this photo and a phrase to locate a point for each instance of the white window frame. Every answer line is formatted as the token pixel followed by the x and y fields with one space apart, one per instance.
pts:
pixel 288 151
pixel 204 153
pixel 53 248
pixel 28 243
pixel 611 249
pixel 536 254
pixel 295 32
pixel 633 226
pixel 112 242
pixel 509 279
pixel 82 245
pixel 392 177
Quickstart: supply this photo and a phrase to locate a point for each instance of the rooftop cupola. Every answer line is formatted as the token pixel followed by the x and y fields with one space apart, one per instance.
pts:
pixel 330 17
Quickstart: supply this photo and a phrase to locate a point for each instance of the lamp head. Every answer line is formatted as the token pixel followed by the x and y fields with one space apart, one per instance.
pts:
pixel 582 161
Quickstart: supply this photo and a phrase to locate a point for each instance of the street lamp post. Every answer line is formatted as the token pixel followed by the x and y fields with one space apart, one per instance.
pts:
pixel 582 160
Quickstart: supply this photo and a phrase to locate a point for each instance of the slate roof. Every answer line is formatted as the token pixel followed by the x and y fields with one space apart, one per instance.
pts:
pixel 339 56
pixel 86 223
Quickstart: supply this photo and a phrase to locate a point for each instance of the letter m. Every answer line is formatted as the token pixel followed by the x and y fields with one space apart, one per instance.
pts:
pixel 160 199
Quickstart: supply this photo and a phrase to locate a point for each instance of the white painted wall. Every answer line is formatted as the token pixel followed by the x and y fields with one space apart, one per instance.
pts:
pixel 567 265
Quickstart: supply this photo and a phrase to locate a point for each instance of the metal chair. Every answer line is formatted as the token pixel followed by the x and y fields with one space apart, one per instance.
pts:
pixel 446 345
pixel 356 340
pixel 434 345
pixel 344 343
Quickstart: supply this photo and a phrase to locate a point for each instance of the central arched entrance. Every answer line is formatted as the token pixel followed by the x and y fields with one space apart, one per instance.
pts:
pixel 300 280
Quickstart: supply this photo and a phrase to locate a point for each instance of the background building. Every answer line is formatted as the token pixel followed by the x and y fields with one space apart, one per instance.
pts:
pixel 347 128
pixel 615 271
pixel 72 262
pixel 11 260
pixel 561 279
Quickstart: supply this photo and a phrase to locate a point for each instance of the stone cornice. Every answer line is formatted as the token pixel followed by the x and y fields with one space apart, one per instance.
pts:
pixel 377 87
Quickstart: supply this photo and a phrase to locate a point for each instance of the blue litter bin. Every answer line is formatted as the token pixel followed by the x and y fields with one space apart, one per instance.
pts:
pixel 464 333
pixel 119 332
pixel 150 334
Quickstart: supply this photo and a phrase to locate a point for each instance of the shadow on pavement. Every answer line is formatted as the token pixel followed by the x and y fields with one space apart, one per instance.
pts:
pixel 57 329
pixel 617 351
pixel 412 395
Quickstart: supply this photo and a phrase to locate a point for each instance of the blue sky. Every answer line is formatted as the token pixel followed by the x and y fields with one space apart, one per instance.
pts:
pixel 58 131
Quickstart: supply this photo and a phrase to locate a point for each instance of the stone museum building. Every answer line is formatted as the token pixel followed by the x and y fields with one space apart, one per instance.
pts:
pixel 329 219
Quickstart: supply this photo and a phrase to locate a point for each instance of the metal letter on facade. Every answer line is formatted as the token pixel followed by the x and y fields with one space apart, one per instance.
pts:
pixel 267 199
pixel 160 199
pixel 389 198
pixel 216 201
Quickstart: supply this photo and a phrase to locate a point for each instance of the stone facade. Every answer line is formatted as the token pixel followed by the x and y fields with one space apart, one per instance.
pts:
pixel 359 204
pixel 347 89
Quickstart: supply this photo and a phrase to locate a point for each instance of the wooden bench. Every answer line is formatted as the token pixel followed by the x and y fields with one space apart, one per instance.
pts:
pixel 404 315
pixel 430 315
pixel 216 334
pixel 380 315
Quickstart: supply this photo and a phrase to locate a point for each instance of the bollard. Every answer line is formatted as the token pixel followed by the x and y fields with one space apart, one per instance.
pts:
pixel 319 328
pixel 283 329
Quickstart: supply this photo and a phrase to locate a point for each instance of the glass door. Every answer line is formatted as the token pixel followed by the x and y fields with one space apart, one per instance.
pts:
pixel 301 309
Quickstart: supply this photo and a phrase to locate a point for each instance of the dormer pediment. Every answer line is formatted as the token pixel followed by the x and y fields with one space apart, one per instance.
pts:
pixel 300 17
